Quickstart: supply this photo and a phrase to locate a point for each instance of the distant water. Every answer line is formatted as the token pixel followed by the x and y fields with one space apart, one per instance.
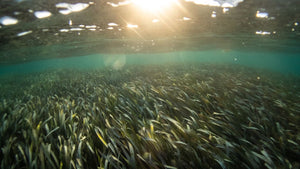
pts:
pixel 287 63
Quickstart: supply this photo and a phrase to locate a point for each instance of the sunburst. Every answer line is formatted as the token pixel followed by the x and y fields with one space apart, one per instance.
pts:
pixel 154 5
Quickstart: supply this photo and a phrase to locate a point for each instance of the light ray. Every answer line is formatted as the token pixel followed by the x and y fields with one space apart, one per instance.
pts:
pixel 154 5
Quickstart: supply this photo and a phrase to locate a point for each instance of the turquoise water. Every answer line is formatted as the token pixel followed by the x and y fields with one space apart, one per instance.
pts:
pixel 288 63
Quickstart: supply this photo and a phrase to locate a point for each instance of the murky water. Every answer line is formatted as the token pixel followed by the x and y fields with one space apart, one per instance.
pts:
pixel 150 84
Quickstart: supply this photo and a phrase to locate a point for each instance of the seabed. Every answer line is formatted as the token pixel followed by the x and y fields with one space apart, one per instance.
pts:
pixel 172 116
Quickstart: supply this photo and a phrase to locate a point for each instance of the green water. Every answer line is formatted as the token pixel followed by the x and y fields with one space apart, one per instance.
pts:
pixel 287 63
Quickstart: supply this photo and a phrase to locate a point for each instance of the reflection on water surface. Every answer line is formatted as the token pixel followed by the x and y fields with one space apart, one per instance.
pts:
pixel 182 25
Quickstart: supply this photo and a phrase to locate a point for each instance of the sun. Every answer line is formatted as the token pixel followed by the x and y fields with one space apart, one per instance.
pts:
pixel 154 5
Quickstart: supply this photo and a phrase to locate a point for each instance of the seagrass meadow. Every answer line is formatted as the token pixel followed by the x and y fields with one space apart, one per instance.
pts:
pixel 151 116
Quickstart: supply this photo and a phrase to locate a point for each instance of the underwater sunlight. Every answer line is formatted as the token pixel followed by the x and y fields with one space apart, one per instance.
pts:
pixel 154 5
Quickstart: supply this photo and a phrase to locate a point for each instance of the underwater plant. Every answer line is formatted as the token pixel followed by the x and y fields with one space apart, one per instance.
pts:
pixel 173 116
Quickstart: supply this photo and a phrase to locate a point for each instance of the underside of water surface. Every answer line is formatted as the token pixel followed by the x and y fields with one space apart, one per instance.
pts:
pixel 149 84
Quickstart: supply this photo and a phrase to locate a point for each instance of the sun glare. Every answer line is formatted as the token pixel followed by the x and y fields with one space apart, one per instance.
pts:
pixel 154 5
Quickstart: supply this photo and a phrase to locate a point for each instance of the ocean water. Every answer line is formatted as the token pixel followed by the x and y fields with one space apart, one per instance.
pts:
pixel 150 84
pixel 279 62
